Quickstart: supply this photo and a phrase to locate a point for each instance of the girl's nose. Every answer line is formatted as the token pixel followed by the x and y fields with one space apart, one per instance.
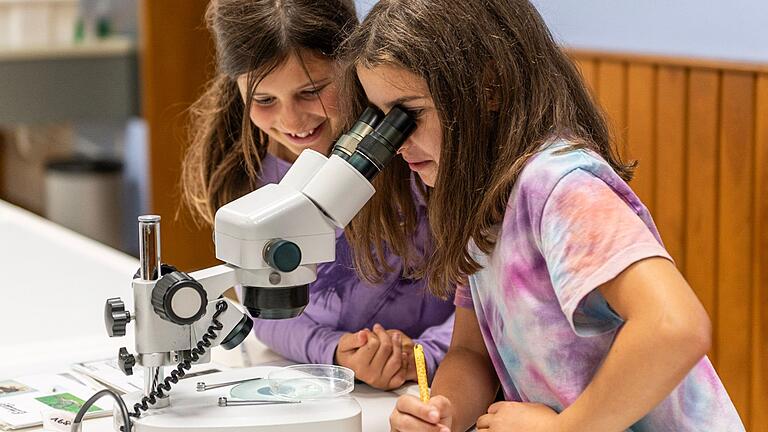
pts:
pixel 291 119
pixel 405 145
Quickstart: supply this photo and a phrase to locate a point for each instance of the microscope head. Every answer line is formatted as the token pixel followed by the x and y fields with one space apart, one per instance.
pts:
pixel 277 234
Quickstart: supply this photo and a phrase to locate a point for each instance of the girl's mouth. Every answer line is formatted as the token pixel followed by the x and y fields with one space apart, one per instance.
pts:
pixel 305 137
pixel 418 166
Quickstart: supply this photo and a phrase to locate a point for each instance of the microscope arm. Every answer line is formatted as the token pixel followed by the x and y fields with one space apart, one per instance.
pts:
pixel 236 326
pixel 215 280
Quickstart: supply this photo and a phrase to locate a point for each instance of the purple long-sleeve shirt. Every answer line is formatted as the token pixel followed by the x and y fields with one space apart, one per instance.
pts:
pixel 340 303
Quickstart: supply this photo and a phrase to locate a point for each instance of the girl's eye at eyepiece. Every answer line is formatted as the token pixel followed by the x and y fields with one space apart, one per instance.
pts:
pixel 415 113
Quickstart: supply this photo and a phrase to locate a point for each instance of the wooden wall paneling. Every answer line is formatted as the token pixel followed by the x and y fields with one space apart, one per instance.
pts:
pixel 699 63
pixel 176 61
pixel 670 166
pixel 701 190
pixel 588 69
pixel 759 418
pixel 612 95
pixel 641 123
pixel 735 212
pixel 714 222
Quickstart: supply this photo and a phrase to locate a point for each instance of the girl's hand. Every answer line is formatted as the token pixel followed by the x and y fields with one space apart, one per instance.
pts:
pixel 516 416
pixel 375 357
pixel 411 414
pixel 407 344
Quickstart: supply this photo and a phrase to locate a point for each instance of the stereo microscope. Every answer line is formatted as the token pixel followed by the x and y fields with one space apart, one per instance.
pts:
pixel 271 241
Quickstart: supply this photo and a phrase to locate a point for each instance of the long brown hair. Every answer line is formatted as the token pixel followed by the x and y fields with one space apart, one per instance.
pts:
pixel 501 87
pixel 223 161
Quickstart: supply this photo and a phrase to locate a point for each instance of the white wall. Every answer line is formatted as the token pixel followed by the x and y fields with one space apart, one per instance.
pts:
pixel 720 29
pixel 363 6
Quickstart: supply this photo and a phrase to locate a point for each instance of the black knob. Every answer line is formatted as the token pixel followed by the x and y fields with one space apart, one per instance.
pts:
pixel 185 309
pixel 125 361
pixel 116 317
pixel 238 334
pixel 282 255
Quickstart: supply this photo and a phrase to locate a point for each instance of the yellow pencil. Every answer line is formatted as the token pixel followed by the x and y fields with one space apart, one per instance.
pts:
pixel 421 372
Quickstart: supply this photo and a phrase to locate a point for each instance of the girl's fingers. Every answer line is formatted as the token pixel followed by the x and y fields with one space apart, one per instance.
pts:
pixel 484 421
pixel 441 403
pixel 411 405
pixel 384 349
pixel 394 363
pixel 365 354
pixel 352 341
pixel 400 422
pixel 411 414
pixel 362 337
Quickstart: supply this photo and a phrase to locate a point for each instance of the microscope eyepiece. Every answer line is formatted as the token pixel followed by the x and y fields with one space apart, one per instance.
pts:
pixel 378 147
pixel 371 116
pixel 396 127
pixel 347 143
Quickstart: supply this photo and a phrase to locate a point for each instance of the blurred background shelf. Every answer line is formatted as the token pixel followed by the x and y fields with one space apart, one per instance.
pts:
pixel 49 83
pixel 112 47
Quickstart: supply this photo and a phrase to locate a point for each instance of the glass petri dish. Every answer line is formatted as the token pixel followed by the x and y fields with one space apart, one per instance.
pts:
pixel 311 381
pixel 256 389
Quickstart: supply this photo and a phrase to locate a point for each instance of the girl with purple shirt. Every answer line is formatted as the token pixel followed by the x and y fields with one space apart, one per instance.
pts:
pixel 567 299
pixel 275 95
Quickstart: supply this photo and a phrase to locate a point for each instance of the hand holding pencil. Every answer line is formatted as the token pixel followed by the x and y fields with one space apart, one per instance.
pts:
pixel 424 413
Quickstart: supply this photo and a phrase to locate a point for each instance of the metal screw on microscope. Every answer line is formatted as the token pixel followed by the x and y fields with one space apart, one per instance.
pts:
pixel 201 386
pixel 224 402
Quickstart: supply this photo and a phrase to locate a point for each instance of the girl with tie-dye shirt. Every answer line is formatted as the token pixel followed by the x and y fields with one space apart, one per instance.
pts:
pixel 567 298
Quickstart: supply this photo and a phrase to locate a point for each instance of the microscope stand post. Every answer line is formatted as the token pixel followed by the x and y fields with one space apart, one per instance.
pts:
pixel 149 270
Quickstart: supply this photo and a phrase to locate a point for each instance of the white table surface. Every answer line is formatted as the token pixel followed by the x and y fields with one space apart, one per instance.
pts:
pixel 54 285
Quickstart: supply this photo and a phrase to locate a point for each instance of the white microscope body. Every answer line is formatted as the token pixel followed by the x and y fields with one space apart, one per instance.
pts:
pixel 271 241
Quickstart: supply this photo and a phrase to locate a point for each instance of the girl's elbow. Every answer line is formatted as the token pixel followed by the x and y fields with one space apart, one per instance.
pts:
pixel 701 337
pixel 707 334
pixel 692 336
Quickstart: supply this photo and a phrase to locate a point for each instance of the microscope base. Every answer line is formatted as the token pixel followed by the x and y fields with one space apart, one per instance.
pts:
pixel 192 410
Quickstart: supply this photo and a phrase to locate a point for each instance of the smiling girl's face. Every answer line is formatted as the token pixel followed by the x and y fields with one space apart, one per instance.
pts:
pixel 387 86
pixel 296 107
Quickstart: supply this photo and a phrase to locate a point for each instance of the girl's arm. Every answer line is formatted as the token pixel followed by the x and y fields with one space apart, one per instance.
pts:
pixel 466 376
pixel 666 332
pixel 464 385
pixel 301 339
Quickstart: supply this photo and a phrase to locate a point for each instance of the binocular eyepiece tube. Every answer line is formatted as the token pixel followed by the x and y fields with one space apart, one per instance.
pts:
pixel 375 138
pixel 347 143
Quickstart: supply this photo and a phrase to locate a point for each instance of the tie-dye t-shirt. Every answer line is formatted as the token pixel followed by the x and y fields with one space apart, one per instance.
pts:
pixel 572 224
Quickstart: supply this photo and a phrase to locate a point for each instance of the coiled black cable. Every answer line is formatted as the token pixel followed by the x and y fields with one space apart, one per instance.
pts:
pixel 159 391
pixel 184 366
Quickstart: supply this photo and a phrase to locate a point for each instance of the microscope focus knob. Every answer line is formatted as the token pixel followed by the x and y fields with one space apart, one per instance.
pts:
pixel 125 361
pixel 116 317
pixel 282 255
pixel 178 298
